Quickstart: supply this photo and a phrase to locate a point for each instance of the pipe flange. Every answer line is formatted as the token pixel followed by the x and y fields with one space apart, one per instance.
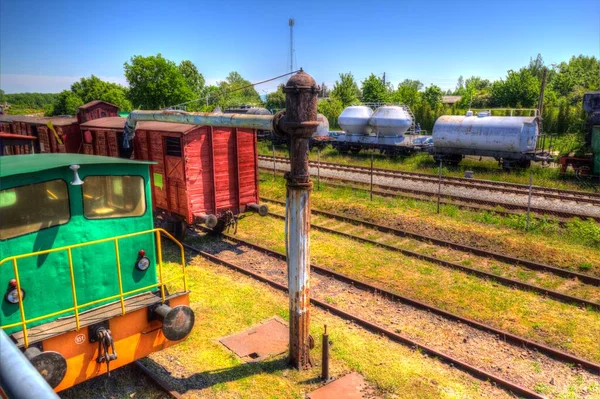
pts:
pixel 277 128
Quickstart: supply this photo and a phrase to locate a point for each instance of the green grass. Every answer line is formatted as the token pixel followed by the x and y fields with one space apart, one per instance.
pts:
pixel 576 243
pixel 520 312
pixel 225 303
pixel 423 163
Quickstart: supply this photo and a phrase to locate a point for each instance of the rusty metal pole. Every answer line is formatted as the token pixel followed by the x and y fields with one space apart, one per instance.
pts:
pixel 298 122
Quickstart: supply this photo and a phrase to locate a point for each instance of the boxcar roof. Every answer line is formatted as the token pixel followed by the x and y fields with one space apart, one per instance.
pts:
pixel 96 102
pixel 112 122
pixel 166 127
pixel 40 120
pixel 11 165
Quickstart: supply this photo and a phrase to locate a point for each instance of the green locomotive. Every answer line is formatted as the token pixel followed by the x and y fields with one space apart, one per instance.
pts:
pixel 81 263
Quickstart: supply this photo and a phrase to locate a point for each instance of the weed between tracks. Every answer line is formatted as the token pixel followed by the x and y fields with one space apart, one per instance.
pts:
pixel 575 246
pixel 423 163
pixel 524 313
pixel 226 302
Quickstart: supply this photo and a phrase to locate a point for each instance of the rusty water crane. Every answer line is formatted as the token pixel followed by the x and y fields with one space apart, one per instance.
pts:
pixel 298 122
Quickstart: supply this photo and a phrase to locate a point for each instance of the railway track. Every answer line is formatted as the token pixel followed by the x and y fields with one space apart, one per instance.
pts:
pixel 585 278
pixel 512 343
pixel 157 381
pixel 510 282
pixel 563 209
pixel 504 187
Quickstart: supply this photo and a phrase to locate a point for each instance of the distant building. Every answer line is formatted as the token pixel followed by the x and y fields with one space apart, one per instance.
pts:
pixel 450 100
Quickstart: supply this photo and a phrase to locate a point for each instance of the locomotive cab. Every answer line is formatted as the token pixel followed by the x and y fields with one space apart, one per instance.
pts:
pixel 81 266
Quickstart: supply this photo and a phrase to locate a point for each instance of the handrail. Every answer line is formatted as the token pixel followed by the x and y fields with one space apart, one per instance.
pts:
pixel 121 295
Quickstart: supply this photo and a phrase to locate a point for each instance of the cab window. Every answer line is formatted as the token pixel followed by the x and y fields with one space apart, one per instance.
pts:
pixel 33 207
pixel 113 196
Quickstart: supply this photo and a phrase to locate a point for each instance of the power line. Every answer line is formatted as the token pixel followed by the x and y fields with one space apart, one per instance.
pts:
pixel 234 90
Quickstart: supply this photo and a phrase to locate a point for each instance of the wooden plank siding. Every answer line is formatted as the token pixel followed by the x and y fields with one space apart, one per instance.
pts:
pixel 216 172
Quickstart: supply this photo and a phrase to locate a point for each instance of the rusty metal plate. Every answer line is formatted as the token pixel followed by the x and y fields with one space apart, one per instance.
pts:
pixel 350 386
pixel 267 339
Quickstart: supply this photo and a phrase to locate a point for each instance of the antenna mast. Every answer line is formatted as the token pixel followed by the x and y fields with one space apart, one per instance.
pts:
pixel 291 23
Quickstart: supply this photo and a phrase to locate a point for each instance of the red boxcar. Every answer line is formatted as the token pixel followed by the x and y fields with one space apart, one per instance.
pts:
pixel 103 137
pixel 203 174
pixel 96 109
pixel 66 128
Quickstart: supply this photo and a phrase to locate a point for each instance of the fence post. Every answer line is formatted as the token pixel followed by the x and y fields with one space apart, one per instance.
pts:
pixel 273 148
pixel 318 168
pixel 439 193
pixel 371 175
pixel 529 199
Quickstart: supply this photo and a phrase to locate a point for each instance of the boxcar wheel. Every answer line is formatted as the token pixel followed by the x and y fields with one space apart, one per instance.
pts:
pixel 178 228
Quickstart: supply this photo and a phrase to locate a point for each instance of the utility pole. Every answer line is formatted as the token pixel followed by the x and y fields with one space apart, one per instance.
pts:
pixel 291 23
pixel 298 122
pixel 384 79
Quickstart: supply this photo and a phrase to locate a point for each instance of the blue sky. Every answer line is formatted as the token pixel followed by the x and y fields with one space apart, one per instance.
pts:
pixel 46 45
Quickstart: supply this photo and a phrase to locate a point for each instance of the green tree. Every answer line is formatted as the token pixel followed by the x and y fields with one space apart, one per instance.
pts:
pixel 90 89
pixel 580 72
pixel 276 100
pixel 235 91
pixel 374 91
pixel 67 103
pixel 408 93
pixel 520 89
pixel 433 96
pixel 155 82
pixel 346 90
pixel 331 108
pixel 193 78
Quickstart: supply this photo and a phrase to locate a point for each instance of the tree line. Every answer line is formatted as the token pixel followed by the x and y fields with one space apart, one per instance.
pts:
pixel 156 82
pixel 565 85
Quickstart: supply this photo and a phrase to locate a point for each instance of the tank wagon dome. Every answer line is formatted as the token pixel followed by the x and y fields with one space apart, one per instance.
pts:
pixel 258 111
pixel 355 119
pixel 390 120
pixel 323 128
pixel 511 134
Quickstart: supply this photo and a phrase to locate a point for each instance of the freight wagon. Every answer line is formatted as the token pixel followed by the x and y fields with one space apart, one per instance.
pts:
pixel 202 174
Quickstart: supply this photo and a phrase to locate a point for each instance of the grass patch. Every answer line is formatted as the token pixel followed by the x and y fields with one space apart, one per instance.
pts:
pixel 518 311
pixel 546 241
pixel 225 303
pixel 423 163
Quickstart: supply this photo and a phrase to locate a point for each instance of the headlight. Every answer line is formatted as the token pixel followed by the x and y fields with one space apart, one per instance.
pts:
pixel 12 294
pixel 143 263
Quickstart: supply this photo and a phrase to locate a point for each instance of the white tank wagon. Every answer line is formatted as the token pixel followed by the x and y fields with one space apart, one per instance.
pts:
pixel 354 120
pixel 390 120
pixel 511 140
pixel 383 129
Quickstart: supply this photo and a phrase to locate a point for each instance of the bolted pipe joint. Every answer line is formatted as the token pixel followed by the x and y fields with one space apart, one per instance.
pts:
pixel 210 220
pixel 177 322
pixel 261 209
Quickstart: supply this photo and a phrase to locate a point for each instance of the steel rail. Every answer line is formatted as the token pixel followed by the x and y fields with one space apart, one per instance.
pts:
pixel 489 185
pixel 586 278
pixel 462 201
pixel 505 335
pixel 157 381
pixel 474 371
pixel 451 265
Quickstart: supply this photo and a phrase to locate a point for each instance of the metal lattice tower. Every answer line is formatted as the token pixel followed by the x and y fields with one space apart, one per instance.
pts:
pixel 291 23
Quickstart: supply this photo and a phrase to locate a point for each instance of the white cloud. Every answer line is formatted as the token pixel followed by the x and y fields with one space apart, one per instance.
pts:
pixel 15 83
